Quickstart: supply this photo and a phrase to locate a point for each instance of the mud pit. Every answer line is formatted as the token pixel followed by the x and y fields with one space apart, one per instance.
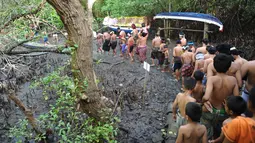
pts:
pixel 141 120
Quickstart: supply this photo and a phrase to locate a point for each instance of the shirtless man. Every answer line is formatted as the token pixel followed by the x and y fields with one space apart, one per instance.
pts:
pixel 130 44
pixel 134 33
pixel 218 88
pixel 248 74
pixel 142 47
pixel 238 60
pixel 161 55
pixel 187 60
pixel 211 55
pixel 155 47
pixel 177 52
pixel 113 42
pixel 106 45
pixel 99 42
pixel 199 64
pixel 234 69
pixel 181 100
pixel 199 89
pixel 203 48
pixel 192 132
pixel 183 39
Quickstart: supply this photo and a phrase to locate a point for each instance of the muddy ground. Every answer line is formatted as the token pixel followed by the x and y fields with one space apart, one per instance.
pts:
pixel 143 110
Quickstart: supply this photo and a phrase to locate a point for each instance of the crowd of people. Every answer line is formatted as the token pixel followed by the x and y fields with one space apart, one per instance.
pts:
pixel 218 99
pixel 217 102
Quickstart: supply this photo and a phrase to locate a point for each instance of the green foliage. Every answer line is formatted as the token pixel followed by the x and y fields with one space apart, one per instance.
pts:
pixel 67 124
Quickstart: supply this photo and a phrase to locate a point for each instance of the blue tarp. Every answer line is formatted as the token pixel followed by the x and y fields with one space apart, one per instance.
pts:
pixel 207 18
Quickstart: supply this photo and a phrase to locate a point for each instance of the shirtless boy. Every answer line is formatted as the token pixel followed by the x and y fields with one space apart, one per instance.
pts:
pixel 99 42
pixel 203 48
pixel 235 106
pixel 242 129
pixel 131 43
pixel 248 74
pixel 181 100
pixel 155 47
pixel 122 39
pixel 192 132
pixel 238 60
pixel 177 52
pixel 191 47
pixel 166 60
pixel 218 88
pixel 134 33
pixel 113 42
pixel 199 89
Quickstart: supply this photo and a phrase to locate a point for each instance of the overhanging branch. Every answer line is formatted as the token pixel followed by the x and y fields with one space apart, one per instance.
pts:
pixel 18 16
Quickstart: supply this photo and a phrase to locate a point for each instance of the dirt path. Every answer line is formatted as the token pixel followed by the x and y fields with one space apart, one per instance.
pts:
pixel 141 122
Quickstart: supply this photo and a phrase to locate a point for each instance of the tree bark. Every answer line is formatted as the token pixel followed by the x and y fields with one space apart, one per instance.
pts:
pixel 79 31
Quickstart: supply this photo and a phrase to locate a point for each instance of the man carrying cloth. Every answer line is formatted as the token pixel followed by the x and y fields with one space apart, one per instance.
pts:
pixel 142 47
pixel 218 88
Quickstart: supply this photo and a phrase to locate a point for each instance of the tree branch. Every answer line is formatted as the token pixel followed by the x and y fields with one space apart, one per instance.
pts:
pixel 28 113
pixel 18 16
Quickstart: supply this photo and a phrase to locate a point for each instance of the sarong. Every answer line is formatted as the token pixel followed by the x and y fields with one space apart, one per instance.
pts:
pixel 106 46
pixel 187 70
pixel 113 44
pixel 161 58
pixel 166 63
pixel 142 53
pixel 213 121
pixel 154 53
pixel 123 48
pixel 180 120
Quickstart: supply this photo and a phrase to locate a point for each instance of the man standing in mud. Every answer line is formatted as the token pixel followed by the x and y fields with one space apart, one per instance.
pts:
pixel 177 52
pixel 106 45
pixel 130 44
pixel 155 48
pixel 113 42
pixel 218 88
pixel 142 47
pixel 187 60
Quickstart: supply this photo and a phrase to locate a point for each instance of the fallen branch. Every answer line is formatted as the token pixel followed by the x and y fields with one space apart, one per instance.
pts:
pixel 36 50
pixel 18 16
pixel 116 64
pixel 28 113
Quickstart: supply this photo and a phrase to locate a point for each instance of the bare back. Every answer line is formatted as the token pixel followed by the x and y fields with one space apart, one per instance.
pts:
pixel 142 40
pixel 248 69
pixel 198 92
pixel 187 57
pixel 156 42
pixel 202 50
pixel 192 133
pixel 113 37
pixel 240 61
pixel 177 52
pixel 206 63
pixel 182 100
pixel 131 41
pixel 219 87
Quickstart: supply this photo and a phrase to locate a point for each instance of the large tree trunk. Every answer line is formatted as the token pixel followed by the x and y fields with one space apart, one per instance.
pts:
pixel 79 31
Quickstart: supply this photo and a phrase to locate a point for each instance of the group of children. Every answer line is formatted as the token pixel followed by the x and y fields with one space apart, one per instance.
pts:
pixel 210 108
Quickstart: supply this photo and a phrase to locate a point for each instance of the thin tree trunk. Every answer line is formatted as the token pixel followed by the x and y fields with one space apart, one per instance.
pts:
pixel 79 31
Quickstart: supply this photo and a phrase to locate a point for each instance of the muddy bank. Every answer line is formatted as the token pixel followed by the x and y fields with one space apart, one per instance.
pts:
pixel 143 112
pixel 28 68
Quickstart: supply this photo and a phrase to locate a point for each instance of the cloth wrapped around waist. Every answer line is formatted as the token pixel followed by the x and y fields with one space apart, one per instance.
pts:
pixel 187 70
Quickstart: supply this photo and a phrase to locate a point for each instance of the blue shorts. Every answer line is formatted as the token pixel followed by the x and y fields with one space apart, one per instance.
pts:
pixel 45 39
pixel 123 48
